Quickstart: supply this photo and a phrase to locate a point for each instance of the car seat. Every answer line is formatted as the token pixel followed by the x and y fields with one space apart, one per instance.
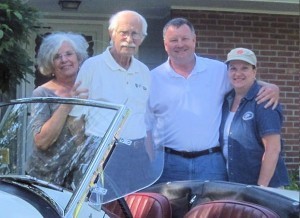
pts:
pixel 141 205
pixel 230 208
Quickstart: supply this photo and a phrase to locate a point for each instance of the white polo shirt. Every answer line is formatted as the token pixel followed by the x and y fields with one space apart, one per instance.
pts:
pixel 185 113
pixel 106 79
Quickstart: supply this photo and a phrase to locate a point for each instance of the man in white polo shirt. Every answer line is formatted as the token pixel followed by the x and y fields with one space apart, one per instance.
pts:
pixel 118 77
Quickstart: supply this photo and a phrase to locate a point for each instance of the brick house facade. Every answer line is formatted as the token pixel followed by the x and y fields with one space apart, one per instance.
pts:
pixel 275 40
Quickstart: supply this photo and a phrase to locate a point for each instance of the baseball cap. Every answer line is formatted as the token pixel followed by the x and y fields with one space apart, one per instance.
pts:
pixel 242 54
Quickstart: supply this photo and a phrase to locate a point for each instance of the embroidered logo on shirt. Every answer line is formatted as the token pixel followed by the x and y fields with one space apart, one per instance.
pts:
pixel 140 86
pixel 248 115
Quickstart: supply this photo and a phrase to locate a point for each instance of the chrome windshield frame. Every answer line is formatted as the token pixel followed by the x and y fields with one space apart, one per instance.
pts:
pixel 95 167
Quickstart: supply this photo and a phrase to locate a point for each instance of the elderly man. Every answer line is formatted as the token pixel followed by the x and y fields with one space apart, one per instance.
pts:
pixel 118 77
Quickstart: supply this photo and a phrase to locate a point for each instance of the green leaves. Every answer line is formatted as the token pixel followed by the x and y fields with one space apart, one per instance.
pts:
pixel 1 34
pixel 18 15
pixel 17 21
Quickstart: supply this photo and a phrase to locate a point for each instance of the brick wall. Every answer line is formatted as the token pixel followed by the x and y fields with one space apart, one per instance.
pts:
pixel 275 40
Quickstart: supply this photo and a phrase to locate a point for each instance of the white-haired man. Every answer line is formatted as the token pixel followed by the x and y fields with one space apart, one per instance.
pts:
pixel 118 77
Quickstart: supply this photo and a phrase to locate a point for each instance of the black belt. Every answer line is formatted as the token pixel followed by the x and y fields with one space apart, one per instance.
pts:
pixel 193 154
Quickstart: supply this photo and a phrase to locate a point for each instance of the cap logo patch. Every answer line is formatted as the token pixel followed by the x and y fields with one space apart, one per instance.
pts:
pixel 241 51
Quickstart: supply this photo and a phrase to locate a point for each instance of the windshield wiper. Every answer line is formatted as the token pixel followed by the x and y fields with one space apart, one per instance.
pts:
pixel 32 180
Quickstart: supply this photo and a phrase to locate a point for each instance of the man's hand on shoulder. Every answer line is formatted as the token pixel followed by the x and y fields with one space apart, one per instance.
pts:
pixel 269 92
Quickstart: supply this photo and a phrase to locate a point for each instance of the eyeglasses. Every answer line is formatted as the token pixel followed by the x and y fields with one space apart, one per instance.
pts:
pixel 126 34
pixel 67 55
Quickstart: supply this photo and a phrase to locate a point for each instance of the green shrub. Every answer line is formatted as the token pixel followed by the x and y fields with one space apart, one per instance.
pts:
pixel 294 181
pixel 17 22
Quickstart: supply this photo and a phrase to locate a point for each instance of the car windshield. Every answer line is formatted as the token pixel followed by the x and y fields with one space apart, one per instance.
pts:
pixel 88 157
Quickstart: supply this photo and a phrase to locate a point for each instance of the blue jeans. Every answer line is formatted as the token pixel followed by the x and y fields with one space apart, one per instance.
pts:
pixel 206 167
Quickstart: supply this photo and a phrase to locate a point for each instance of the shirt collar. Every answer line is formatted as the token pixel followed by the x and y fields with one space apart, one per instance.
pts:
pixel 252 92
pixel 113 65
pixel 200 66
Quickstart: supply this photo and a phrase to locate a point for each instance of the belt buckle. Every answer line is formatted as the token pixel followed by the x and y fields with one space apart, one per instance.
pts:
pixel 210 150
pixel 125 141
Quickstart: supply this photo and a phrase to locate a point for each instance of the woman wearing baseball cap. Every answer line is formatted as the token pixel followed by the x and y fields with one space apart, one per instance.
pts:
pixel 249 132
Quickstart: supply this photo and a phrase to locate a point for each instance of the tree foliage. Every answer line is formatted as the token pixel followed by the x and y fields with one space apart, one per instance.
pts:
pixel 17 21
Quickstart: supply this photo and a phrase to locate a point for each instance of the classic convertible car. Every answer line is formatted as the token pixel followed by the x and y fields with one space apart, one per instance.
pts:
pixel 93 172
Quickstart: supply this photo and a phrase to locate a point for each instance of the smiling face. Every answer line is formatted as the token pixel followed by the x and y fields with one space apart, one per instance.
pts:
pixel 241 74
pixel 180 43
pixel 66 63
pixel 127 37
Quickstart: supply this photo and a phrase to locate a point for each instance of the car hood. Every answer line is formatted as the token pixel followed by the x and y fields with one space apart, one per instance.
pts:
pixel 13 206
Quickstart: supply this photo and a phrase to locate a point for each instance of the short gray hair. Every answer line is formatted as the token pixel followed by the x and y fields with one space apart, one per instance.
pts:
pixel 178 22
pixel 114 21
pixel 52 43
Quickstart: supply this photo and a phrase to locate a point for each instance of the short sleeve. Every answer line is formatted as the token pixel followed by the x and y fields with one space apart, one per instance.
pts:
pixel 269 121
